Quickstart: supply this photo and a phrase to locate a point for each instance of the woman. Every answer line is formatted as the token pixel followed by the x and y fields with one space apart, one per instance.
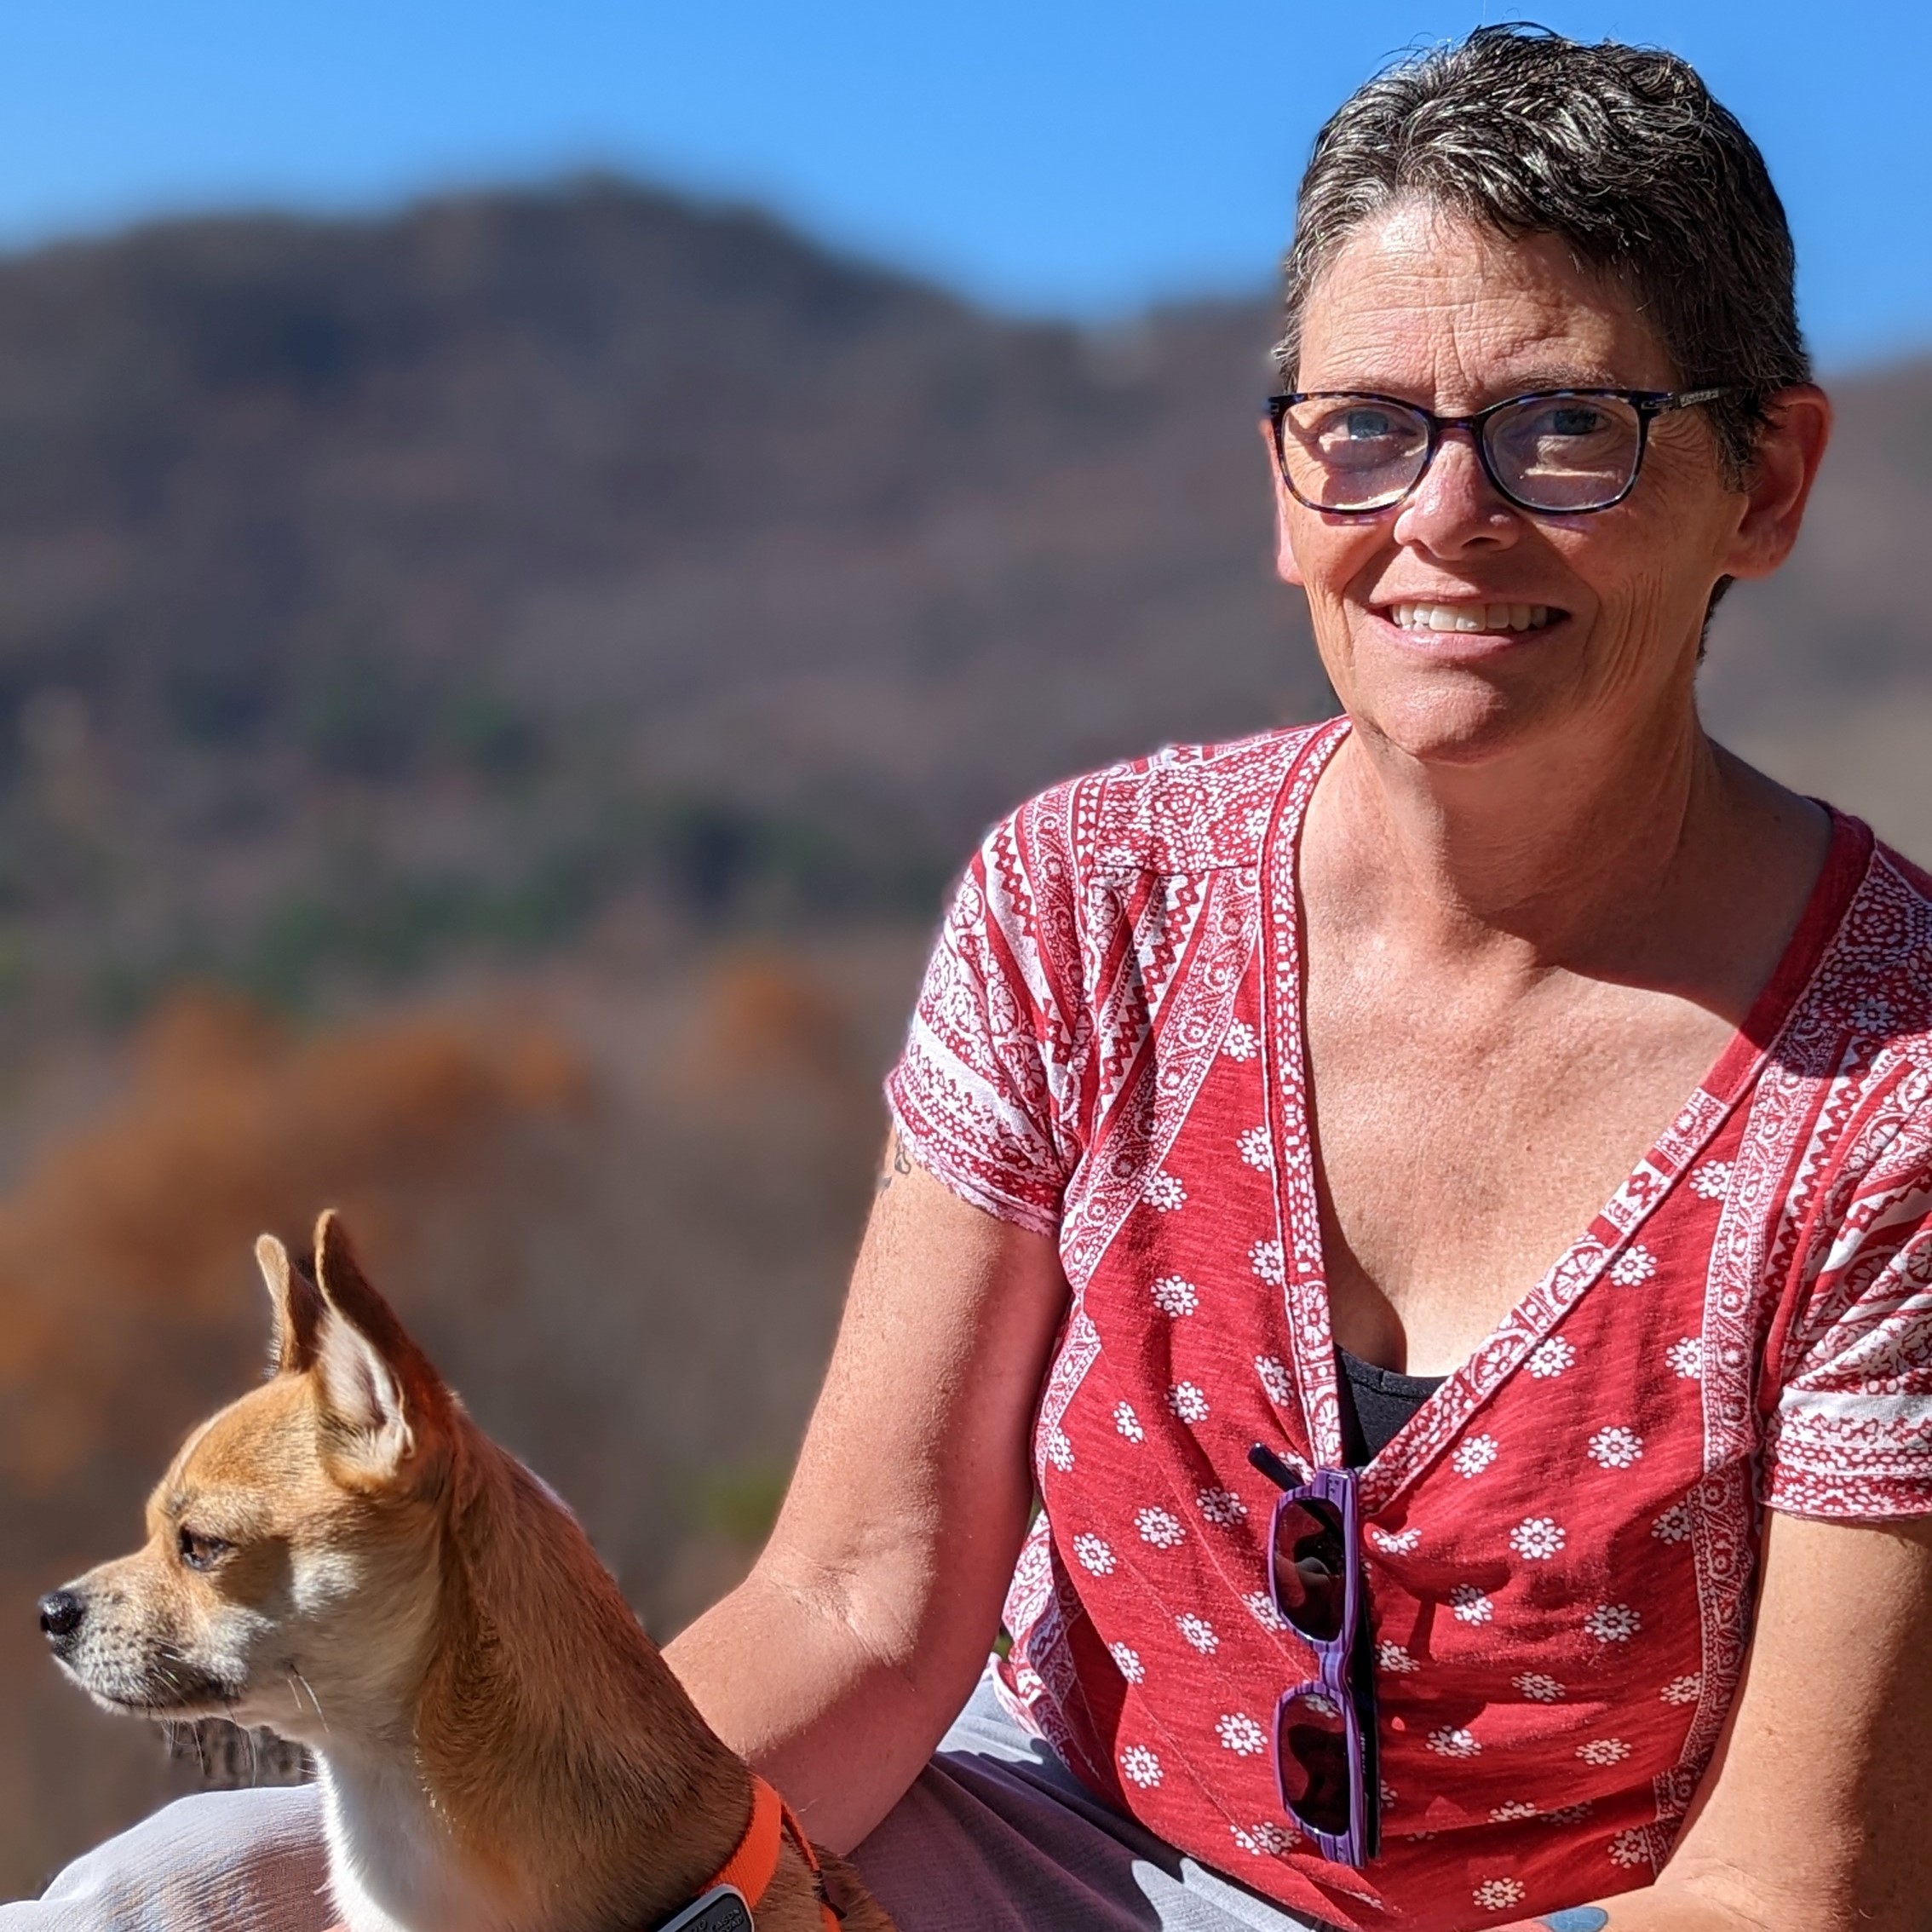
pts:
pixel 1254 1089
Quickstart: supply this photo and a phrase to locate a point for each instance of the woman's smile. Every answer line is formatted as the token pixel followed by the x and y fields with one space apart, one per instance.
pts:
pixel 1462 630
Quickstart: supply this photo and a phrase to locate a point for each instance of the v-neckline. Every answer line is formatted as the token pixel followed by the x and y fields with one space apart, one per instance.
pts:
pixel 1284 1072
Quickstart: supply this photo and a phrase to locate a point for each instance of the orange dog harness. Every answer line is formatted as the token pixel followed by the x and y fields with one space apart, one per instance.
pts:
pixel 727 1904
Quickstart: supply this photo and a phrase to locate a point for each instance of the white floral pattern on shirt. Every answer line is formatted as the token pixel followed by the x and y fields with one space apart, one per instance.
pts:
pixel 1603 1751
pixel 1188 1401
pixel 1222 1507
pixel 1241 1734
pixel 1709 1181
pixel 1199 1632
pixel 1612 1623
pixel 1537 1537
pixel 1551 1356
pixel 1685 1357
pixel 1265 1840
pixel 1396 1542
pixel 1261 1607
pixel 1634 1267
pixel 1615 1448
pixel 1164 1193
pixel 1173 1295
pixel 1163 1531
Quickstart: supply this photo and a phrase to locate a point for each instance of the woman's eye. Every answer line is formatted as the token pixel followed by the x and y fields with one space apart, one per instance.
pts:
pixel 1568 420
pixel 1366 425
pixel 201 1552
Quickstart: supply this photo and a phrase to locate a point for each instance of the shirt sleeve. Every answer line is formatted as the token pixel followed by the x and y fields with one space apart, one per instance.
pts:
pixel 985 1091
pixel 1851 1434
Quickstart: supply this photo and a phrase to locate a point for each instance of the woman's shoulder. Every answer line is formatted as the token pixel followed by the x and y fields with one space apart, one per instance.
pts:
pixel 1860 1026
pixel 1185 808
pixel 1876 974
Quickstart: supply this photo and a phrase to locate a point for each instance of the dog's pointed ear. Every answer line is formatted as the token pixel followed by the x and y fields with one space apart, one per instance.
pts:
pixel 298 1305
pixel 388 1403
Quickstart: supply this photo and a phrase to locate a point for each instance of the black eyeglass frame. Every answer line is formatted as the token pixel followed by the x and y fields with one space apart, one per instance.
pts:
pixel 1650 404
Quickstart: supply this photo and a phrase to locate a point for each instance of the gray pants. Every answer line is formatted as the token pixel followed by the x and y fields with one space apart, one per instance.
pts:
pixel 997 1835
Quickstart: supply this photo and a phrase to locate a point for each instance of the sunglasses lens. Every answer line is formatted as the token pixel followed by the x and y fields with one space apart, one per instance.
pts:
pixel 1311 1752
pixel 1310 1567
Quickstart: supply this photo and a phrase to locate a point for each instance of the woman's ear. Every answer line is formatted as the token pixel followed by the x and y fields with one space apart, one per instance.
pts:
pixel 1785 467
pixel 1285 568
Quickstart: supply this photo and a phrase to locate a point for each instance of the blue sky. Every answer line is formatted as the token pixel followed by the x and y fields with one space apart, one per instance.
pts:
pixel 1043 156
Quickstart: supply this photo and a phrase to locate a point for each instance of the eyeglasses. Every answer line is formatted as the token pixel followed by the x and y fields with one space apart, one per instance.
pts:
pixel 1557 452
pixel 1324 1764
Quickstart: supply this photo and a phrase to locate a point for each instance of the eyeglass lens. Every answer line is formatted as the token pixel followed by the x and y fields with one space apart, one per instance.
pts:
pixel 1312 1754
pixel 1549 452
pixel 1310 1567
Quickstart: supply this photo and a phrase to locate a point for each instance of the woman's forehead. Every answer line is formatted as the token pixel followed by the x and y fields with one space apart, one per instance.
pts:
pixel 1422 299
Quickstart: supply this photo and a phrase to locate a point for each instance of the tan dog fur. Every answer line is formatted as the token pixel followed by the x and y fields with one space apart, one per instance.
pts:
pixel 344 1556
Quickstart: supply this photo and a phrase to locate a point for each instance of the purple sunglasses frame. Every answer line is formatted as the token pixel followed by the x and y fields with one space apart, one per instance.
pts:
pixel 1335 1487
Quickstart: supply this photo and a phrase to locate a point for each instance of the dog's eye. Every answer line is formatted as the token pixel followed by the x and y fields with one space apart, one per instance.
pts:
pixel 201 1552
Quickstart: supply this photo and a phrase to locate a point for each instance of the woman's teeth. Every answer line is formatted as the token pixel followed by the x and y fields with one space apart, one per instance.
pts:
pixel 1469 617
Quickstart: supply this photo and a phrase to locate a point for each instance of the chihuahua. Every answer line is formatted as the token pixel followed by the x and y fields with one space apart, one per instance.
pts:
pixel 344 1557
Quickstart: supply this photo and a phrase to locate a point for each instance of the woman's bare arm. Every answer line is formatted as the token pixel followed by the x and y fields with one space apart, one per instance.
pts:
pixel 1816 1815
pixel 836 1666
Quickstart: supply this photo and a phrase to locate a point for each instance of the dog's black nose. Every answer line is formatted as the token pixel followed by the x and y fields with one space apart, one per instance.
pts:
pixel 60 1614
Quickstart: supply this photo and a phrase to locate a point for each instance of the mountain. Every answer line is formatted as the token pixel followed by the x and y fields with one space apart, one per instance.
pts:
pixel 368 589
pixel 373 591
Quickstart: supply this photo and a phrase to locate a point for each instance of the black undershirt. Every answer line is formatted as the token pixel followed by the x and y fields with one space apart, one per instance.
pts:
pixel 1375 1402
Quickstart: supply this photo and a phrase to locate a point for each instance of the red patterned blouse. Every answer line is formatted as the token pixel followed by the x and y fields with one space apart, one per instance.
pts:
pixel 1561 1543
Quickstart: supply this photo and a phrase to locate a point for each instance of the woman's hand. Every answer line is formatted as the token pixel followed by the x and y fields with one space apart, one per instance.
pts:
pixel 836 1666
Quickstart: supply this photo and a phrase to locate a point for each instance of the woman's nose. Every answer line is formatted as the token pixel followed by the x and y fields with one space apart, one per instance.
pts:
pixel 1455 507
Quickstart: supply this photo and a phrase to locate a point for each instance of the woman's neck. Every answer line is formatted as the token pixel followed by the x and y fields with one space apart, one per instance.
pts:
pixel 1591 854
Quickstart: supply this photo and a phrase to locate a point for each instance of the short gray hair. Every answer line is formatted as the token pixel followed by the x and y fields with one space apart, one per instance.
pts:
pixel 1619 151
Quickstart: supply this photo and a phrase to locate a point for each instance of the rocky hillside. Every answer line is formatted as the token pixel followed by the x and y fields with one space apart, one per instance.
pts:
pixel 373 591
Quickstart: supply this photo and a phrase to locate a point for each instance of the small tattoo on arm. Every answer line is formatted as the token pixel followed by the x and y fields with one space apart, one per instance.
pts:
pixel 898 1162
pixel 1576 1918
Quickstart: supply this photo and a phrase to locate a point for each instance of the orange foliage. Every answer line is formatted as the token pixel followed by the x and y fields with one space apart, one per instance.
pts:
pixel 766 1016
pixel 124 1253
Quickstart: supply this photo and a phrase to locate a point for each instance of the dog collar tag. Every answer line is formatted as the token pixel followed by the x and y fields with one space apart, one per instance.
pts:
pixel 722 1909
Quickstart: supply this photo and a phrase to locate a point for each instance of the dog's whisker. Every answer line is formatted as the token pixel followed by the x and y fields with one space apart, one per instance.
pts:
pixel 313 1697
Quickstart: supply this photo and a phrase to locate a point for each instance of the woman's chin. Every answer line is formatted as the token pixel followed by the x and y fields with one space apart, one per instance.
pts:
pixel 1450 721
pixel 1463 703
